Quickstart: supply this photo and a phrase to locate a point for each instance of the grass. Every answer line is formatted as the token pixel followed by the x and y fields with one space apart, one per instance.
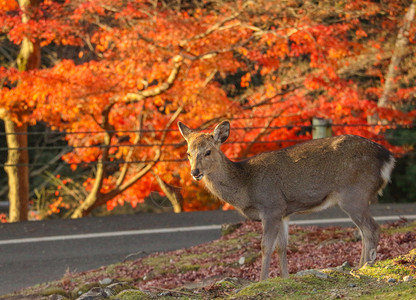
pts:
pixel 213 271
pixel 338 285
pixel 397 268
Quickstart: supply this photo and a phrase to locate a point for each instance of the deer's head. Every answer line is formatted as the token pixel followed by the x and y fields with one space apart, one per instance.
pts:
pixel 204 151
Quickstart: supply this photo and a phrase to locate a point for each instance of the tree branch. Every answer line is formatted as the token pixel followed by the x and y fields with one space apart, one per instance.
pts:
pixel 48 164
pixel 172 193
pixel 210 30
pixel 125 168
pixel 262 132
pixel 135 97
pixel 147 167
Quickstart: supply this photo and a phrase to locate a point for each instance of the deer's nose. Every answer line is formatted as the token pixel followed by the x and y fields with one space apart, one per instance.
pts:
pixel 196 174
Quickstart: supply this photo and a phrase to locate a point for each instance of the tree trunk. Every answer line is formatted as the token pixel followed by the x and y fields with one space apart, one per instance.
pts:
pixel 172 193
pixel 17 167
pixel 399 50
pixel 94 195
pixel 17 170
pixel 95 198
pixel 95 192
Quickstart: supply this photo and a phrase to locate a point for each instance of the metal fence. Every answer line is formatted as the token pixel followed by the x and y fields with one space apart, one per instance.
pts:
pixel 66 148
pixel 59 147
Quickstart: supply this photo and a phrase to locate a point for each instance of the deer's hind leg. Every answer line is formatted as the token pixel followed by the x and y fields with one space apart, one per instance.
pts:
pixel 369 229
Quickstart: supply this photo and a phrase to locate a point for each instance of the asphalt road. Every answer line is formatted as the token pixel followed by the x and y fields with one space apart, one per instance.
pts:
pixel 35 252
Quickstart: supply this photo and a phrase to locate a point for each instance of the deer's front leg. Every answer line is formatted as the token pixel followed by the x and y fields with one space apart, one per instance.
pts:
pixel 275 232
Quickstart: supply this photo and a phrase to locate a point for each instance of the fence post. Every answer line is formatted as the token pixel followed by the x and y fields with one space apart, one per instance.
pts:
pixel 321 128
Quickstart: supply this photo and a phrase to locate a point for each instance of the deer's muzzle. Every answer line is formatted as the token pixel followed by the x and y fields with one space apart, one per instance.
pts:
pixel 196 174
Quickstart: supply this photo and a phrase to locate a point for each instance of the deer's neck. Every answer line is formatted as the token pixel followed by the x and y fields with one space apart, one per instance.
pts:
pixel 227 182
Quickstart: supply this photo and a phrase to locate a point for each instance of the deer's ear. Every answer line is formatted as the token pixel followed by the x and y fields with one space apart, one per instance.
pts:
pixel 221 132
pixel 184 130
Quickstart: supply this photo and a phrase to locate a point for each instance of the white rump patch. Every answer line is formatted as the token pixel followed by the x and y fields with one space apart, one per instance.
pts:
pixel 385 173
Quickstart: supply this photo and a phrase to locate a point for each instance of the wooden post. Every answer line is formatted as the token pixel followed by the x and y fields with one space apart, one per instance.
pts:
pixel 321 128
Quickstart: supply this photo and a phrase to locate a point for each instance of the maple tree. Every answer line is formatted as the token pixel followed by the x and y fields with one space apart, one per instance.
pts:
pixel 135 67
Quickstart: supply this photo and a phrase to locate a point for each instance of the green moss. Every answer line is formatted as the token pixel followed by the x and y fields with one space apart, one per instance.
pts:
pixel 225 284
pixel 395 268
pixel 402 291
pixel 121 286
pixel 125 279
pixel 160 265
pixel 83 289
pixel 229 285
pixel 401 229
pixel 54 291
pixel 132 295
pixel 111 270
pixel 364 283
pixel 227 229
pixel 155 261
pixel 167 264
pixel 252 257
pixel 272 288
pixel 188 267
pixel 384 270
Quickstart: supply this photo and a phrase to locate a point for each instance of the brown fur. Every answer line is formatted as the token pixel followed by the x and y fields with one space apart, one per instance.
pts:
pixel 345 170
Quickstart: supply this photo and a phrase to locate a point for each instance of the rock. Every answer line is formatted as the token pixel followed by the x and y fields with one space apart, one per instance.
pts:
pixel 321 275
pixel 118 287
pixel 99 293
pixel 232 283
pixel 242 260
pixel 345 266
pixel 313 272
pixel 106 281
pixel 407 278
pixel 229 282
pixel 96 294
pixel 391 280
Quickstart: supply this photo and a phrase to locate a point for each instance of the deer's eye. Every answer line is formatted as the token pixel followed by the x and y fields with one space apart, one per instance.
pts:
pixel 208 153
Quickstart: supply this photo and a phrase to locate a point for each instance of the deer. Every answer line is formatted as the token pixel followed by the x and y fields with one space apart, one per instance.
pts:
pixel 347 170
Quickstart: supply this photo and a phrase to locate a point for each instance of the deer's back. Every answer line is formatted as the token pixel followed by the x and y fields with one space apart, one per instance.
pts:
pixel 307 173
